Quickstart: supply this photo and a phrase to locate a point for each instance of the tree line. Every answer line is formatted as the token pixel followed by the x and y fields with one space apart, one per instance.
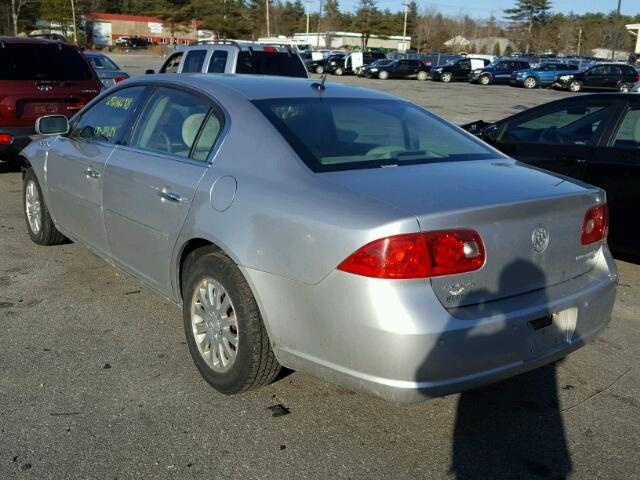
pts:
pixel 530 24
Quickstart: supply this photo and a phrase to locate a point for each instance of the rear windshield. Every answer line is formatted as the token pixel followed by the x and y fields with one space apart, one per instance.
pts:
pixel 102 62
pixel 271 63
pixel 24 61
pixel 331 134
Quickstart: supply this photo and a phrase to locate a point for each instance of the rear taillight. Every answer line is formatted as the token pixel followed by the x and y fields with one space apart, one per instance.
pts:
pixel 638 77
pixel 6 138
pixel 596 224
pixel 119 79
pixel 269 49
pixel 418 255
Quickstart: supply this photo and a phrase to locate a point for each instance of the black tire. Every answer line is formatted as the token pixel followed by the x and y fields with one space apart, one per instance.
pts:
pixel 319 69
pixel 530 82
pixel 446 77
pixel 47 234
pixel 383 75
pixel 255 364
pixel 338 71
pixel 624 88
pixel 422 76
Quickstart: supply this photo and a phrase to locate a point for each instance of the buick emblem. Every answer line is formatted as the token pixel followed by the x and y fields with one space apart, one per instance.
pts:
pixel 540 238
pixel 44 88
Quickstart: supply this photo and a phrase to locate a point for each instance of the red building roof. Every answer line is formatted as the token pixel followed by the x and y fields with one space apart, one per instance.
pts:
pixel 126 18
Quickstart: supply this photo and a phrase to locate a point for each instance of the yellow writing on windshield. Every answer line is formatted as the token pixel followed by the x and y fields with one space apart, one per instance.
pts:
pixel 120 102
pixel 105 131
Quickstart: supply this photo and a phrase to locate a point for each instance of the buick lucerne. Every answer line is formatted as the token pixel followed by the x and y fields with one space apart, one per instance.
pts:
pixel 329 229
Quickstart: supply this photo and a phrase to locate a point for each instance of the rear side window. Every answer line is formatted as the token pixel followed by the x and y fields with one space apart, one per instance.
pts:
pixel 104 121
pixel 193 61
pixel 171 65
pixel 170 122
pixel 271 63
pixel 24 61
pixel 331 134
pixel 628 134
pixel 218 61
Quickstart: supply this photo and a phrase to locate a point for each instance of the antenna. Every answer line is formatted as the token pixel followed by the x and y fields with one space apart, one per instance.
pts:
pixel 319 86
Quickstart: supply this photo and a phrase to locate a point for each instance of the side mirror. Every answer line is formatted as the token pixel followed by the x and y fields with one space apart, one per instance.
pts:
pixel 490 133
pixel 52 125
pixel 150 71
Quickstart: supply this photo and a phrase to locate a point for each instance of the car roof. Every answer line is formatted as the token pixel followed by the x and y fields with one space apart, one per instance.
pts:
pixel 255 87
pixel 35 41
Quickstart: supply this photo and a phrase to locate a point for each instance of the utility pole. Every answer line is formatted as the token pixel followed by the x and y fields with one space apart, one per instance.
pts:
pixel 579 39
pixel 268 30
pixel 73 16
pixel 308 15
pixel 615 30
pixel 404 30
pixel 319 19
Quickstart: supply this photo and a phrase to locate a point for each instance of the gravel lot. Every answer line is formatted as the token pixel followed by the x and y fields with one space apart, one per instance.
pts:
pixel 96 380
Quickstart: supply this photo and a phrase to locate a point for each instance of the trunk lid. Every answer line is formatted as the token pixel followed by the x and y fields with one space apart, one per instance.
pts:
pixel 507 203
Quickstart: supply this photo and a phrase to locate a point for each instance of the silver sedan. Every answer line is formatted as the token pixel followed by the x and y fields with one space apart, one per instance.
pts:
pixel 329 229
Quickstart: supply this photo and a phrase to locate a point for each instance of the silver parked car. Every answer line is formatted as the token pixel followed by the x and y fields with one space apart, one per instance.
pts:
pixel 107 70
pixel 334 230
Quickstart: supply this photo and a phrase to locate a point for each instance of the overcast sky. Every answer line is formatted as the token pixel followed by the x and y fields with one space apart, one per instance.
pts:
pixel 483 8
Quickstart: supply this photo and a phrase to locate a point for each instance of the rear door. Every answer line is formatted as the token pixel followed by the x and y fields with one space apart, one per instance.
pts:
pixel 150 182
pixel 194 61
pixel 39 79
pixel 76 163
pixel 560 137
pixel 616 168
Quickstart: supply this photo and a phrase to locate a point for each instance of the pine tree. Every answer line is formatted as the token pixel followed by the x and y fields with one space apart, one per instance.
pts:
pixel 527 12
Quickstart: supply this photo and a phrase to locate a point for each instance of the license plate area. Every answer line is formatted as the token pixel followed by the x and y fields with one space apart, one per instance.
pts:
pixel 551 332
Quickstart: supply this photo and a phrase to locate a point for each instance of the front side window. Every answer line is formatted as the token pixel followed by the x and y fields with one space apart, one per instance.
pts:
pixel 464 64
pixel 170 122
pixel 218 61
pixel 104 121
pixel 344 134
pixel 628 133
pixel 171 65
pixel 577 124
pixel 193 61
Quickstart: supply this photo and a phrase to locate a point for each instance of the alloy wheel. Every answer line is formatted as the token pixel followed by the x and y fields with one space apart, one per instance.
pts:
pixel 32 207
pixel 214 325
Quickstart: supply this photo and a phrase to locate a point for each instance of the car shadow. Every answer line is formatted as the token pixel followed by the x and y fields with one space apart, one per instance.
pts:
pixel 511 429
pixel 11 166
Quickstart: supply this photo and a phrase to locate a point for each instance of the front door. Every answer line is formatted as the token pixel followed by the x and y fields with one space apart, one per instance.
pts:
pixel 462 69
pixel 616 168
pixel 150 183
pixel 595 78
pixel 76 163
pixel 559 138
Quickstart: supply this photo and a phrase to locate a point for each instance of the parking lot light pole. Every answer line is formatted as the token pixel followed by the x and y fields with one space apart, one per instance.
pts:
pixel 73 17
pixel 404 31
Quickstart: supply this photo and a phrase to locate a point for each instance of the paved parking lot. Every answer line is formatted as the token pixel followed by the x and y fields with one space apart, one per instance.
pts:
pixel 96 380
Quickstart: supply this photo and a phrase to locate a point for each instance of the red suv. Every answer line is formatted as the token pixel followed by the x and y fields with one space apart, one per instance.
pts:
pixel 39 77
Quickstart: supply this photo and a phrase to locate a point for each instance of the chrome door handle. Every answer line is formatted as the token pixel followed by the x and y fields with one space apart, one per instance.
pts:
pixel 170 196
pixel 92 173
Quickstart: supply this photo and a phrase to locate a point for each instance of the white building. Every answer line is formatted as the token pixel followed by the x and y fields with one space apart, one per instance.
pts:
pixel 352 40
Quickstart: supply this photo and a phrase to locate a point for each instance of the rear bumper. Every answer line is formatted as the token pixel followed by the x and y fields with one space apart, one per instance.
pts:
pixel 395 340
pixel 21 138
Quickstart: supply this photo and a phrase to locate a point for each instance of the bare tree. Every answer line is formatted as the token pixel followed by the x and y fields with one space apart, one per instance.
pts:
pixel 16 6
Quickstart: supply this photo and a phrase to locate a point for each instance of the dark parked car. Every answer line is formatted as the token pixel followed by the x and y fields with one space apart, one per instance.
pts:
pixel 384 69
pixel 603 76
pixel 498 72
pixel 37 78
pixel 346 65
pixel 108 72
pixel 323 65
pixel 594 138
pixel 458 69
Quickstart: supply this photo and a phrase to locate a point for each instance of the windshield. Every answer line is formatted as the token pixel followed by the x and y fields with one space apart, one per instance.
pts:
pixel 102 62
pixel 331 134
pixel 25 61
